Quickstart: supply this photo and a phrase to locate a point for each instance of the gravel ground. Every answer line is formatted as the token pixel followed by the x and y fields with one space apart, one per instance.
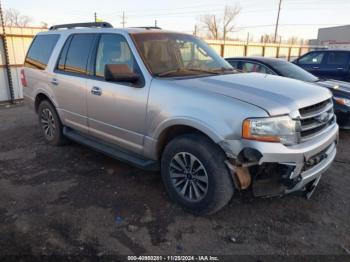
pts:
pixel 73 201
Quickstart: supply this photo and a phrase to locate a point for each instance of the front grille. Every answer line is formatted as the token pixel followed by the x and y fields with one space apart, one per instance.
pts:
pixel 315 119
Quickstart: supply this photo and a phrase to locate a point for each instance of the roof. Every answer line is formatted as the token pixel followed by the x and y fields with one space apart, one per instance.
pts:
pixel 102 27
pixel 262 59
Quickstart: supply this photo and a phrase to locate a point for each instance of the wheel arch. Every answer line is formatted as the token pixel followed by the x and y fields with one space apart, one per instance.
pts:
pixel 177 129
pixel 41 96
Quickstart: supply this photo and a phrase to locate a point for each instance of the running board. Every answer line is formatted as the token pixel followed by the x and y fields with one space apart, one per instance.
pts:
pixel 112 151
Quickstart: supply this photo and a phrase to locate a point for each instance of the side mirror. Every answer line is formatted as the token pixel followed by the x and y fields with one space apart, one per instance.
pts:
pixel 120 73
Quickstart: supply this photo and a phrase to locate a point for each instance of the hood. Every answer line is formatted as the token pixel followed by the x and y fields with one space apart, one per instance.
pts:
pixel 337 87
pixel 276 95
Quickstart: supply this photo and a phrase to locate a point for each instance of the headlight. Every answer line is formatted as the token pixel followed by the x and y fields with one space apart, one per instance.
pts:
pixel 273 129
pixel 342 101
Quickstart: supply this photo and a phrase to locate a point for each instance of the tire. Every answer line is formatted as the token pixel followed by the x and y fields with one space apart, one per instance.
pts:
pixel 50 124
pixel 213 179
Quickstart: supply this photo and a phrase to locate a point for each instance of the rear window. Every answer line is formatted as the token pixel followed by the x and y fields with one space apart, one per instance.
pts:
pixel 40 51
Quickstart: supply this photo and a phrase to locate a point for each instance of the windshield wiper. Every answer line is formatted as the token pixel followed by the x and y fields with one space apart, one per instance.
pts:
pixel 179 70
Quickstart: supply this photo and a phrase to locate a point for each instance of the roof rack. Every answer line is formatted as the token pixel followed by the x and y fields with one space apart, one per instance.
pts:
pixel 147 27
pixel 92 24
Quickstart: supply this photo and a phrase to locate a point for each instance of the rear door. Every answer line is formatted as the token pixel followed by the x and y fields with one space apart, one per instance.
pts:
pixel 70 78
pixel 313 62
pixel 337 65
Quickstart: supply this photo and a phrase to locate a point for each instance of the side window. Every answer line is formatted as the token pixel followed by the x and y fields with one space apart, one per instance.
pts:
pixel 40 51
pixel 337 58
pixel 313 58
pixel 248 67
pixel 233 63
pixel 75 54
pixel 113 49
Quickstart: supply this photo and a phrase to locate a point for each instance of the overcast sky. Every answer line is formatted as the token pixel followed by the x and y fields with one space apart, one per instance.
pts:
pixel 298 17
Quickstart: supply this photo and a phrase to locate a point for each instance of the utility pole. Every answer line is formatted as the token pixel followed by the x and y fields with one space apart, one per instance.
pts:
pixel 278 19
pixel 195 30
pixel 155 23
pixel 95 17
pixel 6 56
pixel 123 20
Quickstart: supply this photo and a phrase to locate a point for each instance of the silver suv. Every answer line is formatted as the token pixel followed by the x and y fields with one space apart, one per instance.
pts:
pixel 165 101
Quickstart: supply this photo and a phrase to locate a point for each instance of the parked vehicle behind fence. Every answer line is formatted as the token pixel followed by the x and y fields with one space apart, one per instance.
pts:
pixel 166 101
pixel 340 89
pixel 328 64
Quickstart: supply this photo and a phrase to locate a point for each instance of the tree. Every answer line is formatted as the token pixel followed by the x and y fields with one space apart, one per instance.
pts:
pixel 211 24
pixel 219 27
pixel 270 38
pixel 294 40
pixel 13 17
pixel 230 14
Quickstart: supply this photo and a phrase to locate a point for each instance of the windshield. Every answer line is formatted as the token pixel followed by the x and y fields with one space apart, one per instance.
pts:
pixel 173 55
pixel 293 71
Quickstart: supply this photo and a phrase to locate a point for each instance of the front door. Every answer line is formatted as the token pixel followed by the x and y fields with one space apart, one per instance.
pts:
pixel 313 62
pixel 116 111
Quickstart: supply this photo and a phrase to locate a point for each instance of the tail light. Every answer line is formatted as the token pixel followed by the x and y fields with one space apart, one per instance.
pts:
pixel 23 78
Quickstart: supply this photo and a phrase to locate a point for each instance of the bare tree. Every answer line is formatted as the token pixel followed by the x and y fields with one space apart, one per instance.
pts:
pixel 211 23
pixel 13 17
pixel 270 38
pixel 293 40
pixel 219 27
pixel 230 14
pixel 44 24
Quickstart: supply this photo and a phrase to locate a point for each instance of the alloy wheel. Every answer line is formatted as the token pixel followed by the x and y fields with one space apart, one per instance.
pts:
pixel 48 123
pixel 189 176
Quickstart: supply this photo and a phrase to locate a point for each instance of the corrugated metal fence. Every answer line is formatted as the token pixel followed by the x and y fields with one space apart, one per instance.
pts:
pixel 237 48
pixel 19 39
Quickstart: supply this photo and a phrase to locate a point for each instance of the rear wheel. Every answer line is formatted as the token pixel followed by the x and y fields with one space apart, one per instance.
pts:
pixel 51 126
pixel 195 175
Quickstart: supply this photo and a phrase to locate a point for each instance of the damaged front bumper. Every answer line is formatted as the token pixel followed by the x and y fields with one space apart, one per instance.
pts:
pixel 276 169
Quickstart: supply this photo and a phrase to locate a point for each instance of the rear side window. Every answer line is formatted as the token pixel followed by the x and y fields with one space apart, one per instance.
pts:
pixel 337 58
pixel 40 51
pixel 75 54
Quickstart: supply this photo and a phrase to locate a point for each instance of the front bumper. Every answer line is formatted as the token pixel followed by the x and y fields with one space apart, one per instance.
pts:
pixel 298 157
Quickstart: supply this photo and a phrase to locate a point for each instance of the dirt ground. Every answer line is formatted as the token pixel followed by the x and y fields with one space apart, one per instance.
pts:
pixel 73 201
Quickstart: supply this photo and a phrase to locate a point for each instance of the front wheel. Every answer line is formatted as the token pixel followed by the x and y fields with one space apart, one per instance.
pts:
pixel 195 175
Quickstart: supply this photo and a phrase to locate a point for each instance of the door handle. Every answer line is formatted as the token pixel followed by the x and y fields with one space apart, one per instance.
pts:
pixel 97 91
pixel 316 67
pixel 340 68
pixel 54 81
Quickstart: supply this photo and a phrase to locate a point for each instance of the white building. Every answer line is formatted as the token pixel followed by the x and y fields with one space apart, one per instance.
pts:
pixel 337 37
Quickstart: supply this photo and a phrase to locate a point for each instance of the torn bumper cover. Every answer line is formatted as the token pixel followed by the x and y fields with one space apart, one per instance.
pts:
pixel 293 168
